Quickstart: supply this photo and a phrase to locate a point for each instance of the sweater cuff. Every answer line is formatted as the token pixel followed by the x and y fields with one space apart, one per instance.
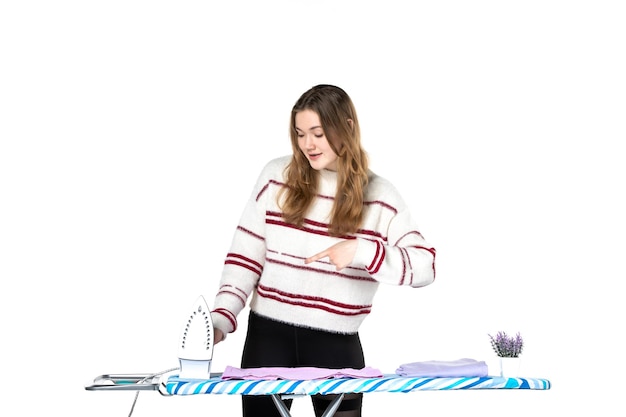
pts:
pixel 222 323
pixel 364 255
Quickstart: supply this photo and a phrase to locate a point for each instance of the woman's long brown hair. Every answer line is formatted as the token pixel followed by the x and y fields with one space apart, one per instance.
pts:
pixel 341 126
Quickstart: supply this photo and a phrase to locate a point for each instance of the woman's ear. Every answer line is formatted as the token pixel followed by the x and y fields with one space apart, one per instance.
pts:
pixel 351 123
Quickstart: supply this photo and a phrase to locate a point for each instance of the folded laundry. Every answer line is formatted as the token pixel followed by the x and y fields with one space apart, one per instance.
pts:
pixel 298 373
pixel 437 368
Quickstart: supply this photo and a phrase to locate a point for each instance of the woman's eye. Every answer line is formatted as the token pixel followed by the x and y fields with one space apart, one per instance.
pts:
pixel 319 136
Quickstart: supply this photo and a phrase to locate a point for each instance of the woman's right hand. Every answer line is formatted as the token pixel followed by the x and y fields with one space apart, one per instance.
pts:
pixel 218 336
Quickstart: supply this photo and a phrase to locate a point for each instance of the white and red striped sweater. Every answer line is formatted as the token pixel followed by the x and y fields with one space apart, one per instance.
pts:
pixel 266 258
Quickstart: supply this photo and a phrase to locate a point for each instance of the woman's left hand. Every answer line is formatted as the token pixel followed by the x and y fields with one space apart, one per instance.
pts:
pixel 340 254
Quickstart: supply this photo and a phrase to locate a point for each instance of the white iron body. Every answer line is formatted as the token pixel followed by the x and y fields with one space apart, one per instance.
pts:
pixel 195 349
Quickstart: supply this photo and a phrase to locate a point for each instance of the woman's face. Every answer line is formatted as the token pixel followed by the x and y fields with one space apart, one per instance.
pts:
pixel 313 142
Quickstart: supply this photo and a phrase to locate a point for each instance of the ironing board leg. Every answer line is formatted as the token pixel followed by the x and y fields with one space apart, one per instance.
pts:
pixel 282 408
pixel 333 406
pixel 284 411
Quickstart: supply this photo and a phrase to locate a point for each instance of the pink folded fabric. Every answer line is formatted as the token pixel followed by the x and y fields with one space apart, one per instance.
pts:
pixel 457 368
pixel 298 373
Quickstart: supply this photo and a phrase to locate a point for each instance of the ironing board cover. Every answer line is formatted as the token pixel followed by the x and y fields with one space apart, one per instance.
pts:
pixel 386 383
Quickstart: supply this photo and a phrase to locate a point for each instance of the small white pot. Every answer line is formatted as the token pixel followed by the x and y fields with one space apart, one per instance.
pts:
pixel 509 367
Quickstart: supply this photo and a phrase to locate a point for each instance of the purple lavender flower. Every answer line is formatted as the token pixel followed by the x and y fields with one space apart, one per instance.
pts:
pixel 507 346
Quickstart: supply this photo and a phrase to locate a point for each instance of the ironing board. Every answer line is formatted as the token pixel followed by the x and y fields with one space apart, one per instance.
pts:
pixel 196 353
pixel 280 389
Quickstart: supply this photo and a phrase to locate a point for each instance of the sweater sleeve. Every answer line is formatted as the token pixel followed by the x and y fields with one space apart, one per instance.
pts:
pixel 245 259
pixel 403 258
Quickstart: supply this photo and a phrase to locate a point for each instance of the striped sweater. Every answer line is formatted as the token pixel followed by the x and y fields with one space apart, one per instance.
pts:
pixel 266 258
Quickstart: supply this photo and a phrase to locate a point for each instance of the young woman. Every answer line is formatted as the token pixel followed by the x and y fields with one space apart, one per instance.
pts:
pixel 318 235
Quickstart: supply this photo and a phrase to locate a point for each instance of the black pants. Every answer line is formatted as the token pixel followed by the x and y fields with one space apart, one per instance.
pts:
pixel 272 343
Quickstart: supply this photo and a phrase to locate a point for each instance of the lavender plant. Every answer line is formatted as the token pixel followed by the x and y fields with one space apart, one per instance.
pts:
pixel 507 346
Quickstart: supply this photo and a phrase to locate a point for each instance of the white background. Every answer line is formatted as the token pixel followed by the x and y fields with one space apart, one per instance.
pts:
pixel 132 133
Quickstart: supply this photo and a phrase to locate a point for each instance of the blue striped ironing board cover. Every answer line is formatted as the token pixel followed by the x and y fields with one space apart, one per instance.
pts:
pixel 386 383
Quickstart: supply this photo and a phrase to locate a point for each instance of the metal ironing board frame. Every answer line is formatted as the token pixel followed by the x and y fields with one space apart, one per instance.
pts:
pixel 151 382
